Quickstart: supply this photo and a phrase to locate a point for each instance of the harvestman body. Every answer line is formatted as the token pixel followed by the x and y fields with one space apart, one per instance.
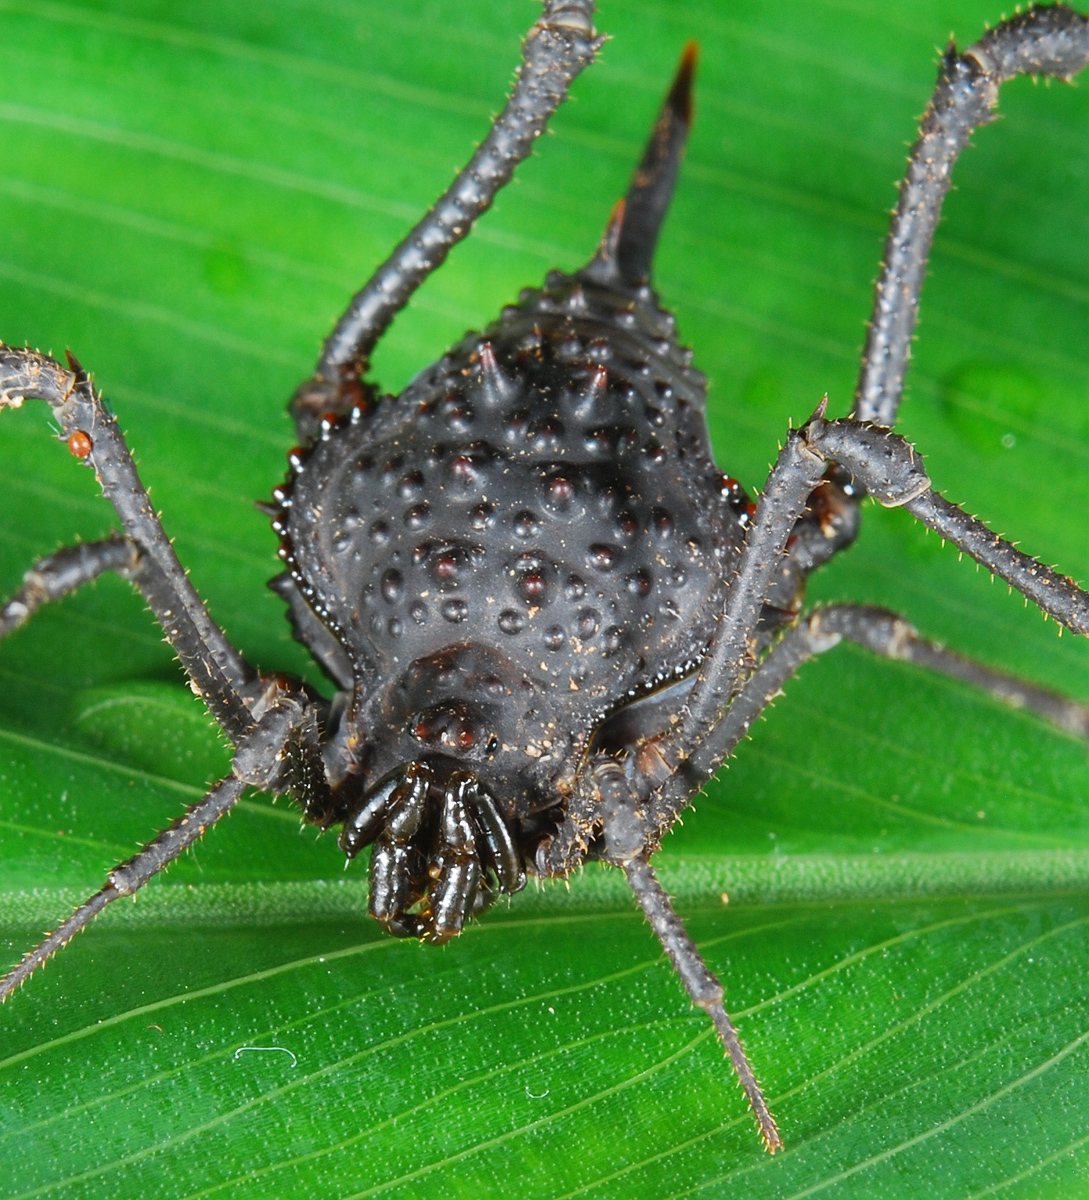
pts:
pixel 548 617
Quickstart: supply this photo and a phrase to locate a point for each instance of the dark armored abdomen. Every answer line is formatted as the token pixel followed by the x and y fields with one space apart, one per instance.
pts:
pixel 546 490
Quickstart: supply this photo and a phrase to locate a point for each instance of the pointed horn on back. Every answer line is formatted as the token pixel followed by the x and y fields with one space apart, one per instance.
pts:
pixel 626 251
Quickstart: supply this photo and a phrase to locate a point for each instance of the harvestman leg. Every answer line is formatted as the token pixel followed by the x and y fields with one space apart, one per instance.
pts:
pixel 1054 41
pixel 221 677
pixel 147 559
pixel 885 465
pixel 878 630
pixel 264 755
pixel 259 761
pixel 884 633
pixel 625 846
pixel 1041 41
pixel 556 49
pixel 59 574
pixel 701 984
pixel 271 724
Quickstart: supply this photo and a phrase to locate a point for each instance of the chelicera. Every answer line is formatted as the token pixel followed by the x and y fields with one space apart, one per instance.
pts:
pixel 546 614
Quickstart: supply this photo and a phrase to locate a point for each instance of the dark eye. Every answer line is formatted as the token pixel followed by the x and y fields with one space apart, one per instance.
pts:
pixel 493 744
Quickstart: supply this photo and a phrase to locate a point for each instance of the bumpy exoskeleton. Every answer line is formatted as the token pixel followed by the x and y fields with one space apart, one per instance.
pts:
pixel 546 615
pixel 533 532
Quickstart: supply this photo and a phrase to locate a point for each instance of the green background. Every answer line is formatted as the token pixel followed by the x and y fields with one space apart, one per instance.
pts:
pixel 188 192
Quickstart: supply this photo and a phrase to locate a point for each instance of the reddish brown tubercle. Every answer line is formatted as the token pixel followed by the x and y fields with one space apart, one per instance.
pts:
pixel 80 444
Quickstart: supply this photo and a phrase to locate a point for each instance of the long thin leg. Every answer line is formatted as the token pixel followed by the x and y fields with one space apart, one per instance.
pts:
pixel 1057 595
pixel 181 834
pixel 702 986
pixel 880 631
pixel 887 467
pixel 627 822
pixel 1060 711
pixel 796 473
pixel 63 572
pixel 1041 41
pixel 626 840
pixel 556 49
pixel 258 762
pixel 217 671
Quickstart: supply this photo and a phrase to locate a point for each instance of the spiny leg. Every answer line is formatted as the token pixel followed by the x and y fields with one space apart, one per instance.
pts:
pixel 887 466
pixel 556 49
pixel 628 823
pixel 797 472
pixel 1058 710
pixel 226 683
pixel 625 841
pixel 59 574
pixel 878 630
pixel 704 988
pixel 887 634
pixel 309 770
pixel 1041 41
pixel 259 761
pixel 187 828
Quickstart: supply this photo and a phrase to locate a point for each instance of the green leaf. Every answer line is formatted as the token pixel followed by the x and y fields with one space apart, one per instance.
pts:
pixel 189 193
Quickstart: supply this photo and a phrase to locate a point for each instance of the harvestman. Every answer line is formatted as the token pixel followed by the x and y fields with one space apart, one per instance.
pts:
pixel 548 617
